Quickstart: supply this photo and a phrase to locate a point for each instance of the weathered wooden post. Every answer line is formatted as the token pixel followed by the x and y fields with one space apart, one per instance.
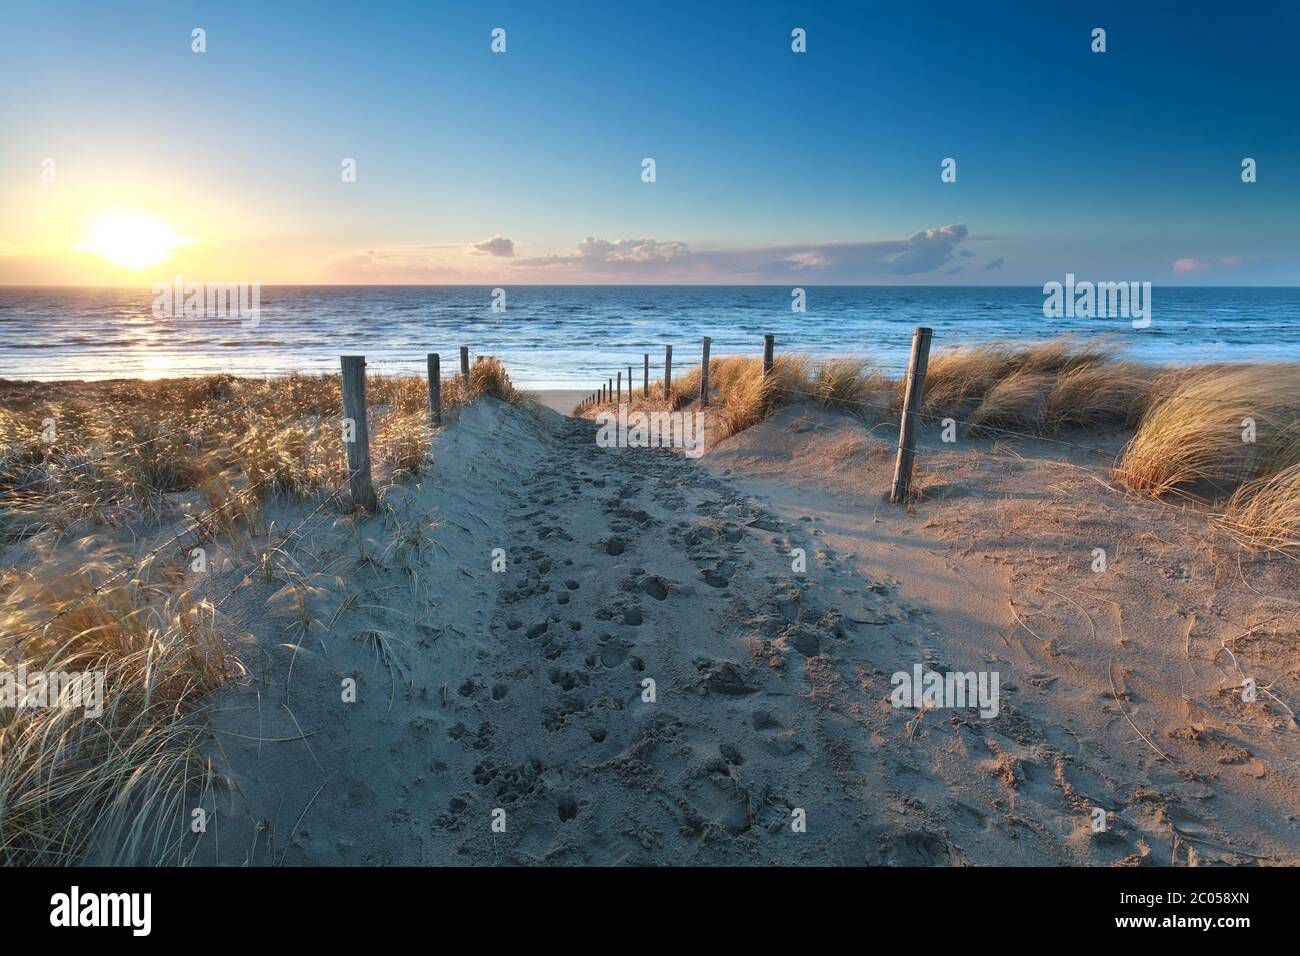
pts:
pixel 464 363
pixel 645 375
pixel 668 370
pixel 768 343
pixel 356 433
pixel 704 373
pixel 620 386
pixel 916 369
pixel 609 390
pixel 435 390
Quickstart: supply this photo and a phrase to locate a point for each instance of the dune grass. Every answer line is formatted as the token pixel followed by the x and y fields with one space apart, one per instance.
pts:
pixel 1197 429
pixel 1225 431
pixel 1267 510
pixel 741 397
pixel 71 458
pixel 116 782
pixel 91 475
pixel 1044 388
pixel 1188 422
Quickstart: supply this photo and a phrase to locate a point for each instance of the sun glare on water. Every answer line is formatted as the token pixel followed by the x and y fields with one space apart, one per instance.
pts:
pixel 131 239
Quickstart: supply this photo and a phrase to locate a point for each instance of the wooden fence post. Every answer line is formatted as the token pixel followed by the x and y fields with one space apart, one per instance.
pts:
pixel 645 375
pixel 620 386
pixel 768 342
pixel 704 373
pixel 358 449
pixel 668 370
pixel 916 369
pixel 464 363
pixel 435 390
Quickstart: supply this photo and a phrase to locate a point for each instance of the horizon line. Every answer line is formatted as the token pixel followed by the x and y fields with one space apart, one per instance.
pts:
pixel 654 285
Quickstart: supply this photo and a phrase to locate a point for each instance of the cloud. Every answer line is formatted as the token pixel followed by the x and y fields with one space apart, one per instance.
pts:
pixel 498 246
pixel 650 260
pixel 1207 263
pixel 593 253
pixel 413 264
pixel 851 261
pixel 997 263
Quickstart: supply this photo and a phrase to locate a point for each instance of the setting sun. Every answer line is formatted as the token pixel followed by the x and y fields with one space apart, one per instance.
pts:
pixel 130 239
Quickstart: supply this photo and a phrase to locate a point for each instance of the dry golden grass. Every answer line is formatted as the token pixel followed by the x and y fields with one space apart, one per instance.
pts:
pixel 1193 436
pixel 846 384
pixel 959 379
pixel 1189 420
pixel 68 781
pixel 741 397
pixel 194 456
pixel 1098 395
pixel 119 448
pixel 1014 403
pixel 1267 510
pixel 1047 387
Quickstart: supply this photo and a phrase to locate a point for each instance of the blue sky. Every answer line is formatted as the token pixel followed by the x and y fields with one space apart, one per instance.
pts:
pixel 771 166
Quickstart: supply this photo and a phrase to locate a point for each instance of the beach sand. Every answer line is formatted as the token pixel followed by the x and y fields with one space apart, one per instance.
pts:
pixel 525 691
pixel 560 400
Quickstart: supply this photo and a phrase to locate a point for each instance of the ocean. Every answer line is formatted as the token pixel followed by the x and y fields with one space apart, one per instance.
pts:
pixel 578 336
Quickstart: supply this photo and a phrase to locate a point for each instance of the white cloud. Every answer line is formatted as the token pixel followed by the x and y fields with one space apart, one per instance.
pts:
pixel 655 260
pixel 922 252
pixel 498 246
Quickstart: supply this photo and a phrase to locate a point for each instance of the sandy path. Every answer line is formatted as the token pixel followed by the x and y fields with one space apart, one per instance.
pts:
pixel 521 696
pixel 635 565
pixel 525 691
pixel 1117 691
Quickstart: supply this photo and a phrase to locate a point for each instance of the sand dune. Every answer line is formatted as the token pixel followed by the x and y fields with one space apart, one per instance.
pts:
pixel 525 691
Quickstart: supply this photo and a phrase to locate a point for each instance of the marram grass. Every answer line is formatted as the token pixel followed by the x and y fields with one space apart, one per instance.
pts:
pixel 1188 422
pixel 78 464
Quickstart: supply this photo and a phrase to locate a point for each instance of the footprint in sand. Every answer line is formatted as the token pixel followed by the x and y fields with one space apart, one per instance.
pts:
pixel 567 807
pixel 656 587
